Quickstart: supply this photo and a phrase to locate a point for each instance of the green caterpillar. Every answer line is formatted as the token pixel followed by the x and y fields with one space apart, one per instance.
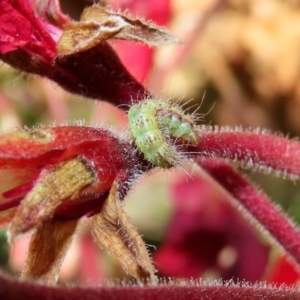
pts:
pixel 159 128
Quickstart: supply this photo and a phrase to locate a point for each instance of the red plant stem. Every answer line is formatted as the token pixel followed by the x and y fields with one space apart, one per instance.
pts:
pixel 260 150
pixel 257 206
pixel 19 290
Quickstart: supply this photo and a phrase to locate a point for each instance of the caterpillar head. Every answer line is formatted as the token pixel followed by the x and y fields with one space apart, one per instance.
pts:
pixel 160 129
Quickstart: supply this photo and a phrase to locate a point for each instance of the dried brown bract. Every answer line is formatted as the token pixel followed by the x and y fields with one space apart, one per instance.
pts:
pixel 114 232
pixel 98 24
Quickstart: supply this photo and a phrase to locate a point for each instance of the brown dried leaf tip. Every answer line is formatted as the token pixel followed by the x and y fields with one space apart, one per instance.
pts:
pixel 112 230
pixel 98 24
pixel 51 240
pixel 53 187
pixel 114 233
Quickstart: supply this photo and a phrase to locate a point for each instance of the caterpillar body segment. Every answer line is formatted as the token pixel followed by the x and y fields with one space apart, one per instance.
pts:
pixel 156 149
pixel 158 127
pixel 179 125
pixel 148 136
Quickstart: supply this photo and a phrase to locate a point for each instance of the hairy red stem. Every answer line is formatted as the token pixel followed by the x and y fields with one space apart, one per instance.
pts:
pixel 257 205
pixel 254 149
pixel 17 290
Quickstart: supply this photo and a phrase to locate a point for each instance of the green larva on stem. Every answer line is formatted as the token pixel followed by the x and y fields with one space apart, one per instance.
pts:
pixel 158 127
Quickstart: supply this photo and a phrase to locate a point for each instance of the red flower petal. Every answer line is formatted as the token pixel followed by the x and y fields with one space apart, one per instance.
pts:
pixel 20 27
pixel 284 272
pixel 11 37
